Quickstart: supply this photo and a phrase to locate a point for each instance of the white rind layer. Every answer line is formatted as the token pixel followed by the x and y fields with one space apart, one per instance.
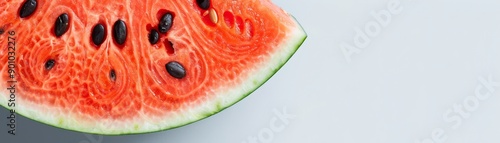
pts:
pixel 143 124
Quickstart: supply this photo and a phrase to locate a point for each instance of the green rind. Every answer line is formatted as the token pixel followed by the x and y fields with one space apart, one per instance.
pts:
pixel 293 45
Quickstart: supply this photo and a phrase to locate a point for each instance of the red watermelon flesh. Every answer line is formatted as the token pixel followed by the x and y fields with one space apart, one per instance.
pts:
pixel 124 85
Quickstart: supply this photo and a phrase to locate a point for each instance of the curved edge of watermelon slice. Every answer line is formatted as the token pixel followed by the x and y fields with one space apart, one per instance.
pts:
pixel 295 39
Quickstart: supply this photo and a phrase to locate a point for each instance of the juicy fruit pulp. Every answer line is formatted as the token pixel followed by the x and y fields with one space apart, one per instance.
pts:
pixel 120 78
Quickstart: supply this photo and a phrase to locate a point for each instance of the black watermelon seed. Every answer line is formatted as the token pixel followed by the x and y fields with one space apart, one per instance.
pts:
pixel 165 23
pixel 61 25
pixel 49 64
pixel 153 36
pixel 112 75
pixel 98 34
pixel 203 4
pixel 175 69
pixel 120 31
pixel 27 8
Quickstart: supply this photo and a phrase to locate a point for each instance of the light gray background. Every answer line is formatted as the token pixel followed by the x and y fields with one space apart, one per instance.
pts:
pixel 428 59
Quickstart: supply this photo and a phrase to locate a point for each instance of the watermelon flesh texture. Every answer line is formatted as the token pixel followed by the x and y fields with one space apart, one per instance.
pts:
pixel 227 51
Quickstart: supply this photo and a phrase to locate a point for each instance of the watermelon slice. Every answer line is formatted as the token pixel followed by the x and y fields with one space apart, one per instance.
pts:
pixel 125 67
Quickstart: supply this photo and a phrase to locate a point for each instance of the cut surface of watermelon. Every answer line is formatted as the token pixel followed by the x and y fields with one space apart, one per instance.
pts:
pixel 124 67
